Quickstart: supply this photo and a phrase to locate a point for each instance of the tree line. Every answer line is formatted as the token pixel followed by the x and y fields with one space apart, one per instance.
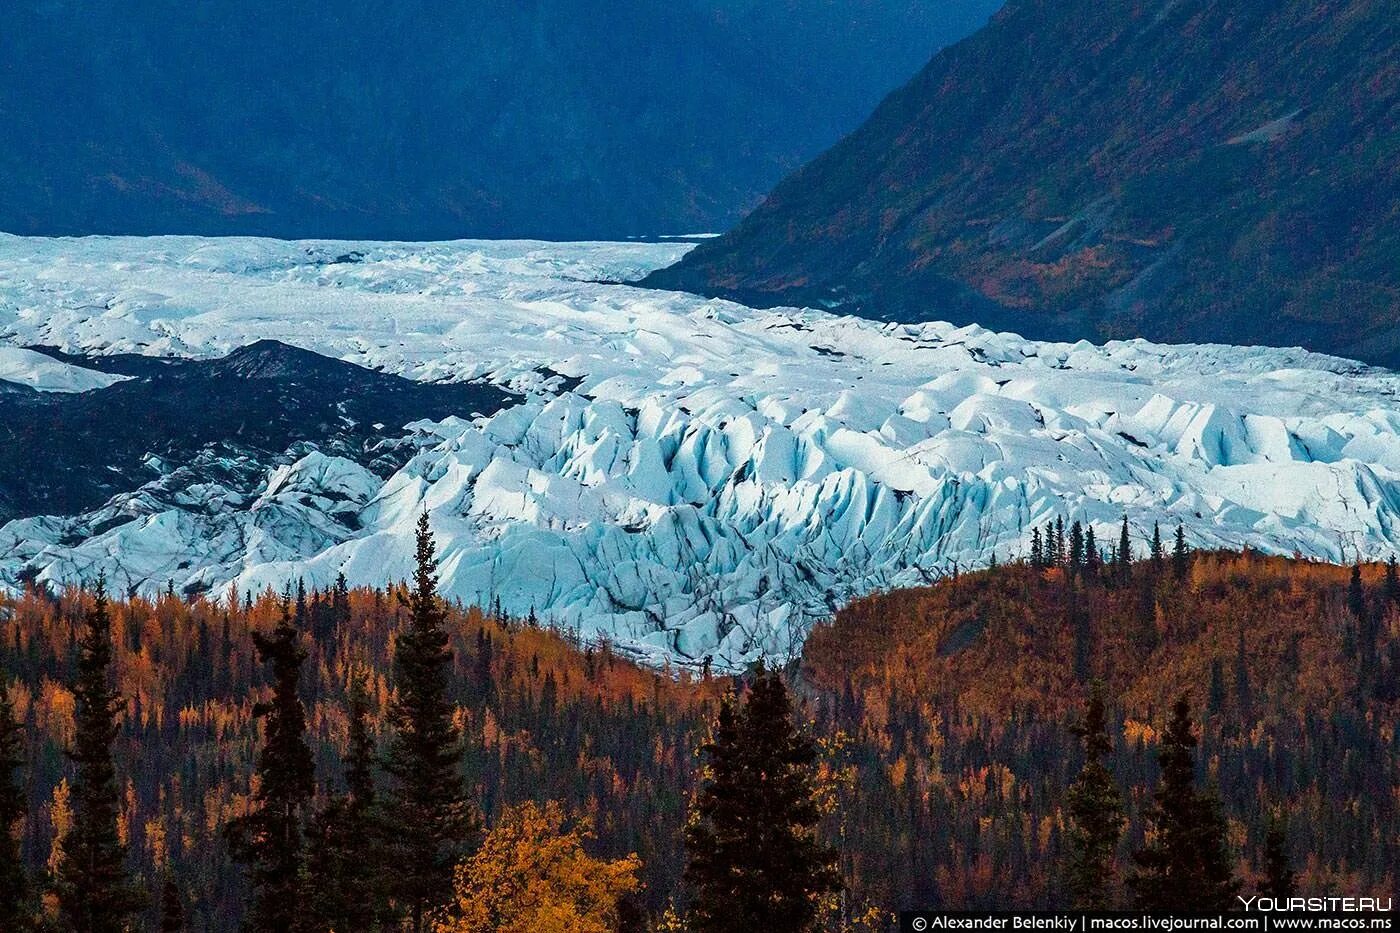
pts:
pixel 798 791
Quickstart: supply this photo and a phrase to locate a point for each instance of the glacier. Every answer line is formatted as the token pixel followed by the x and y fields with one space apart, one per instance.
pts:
pixel 689 478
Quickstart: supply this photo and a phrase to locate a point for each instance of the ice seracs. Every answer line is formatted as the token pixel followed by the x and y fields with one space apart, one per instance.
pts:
pixel 688 477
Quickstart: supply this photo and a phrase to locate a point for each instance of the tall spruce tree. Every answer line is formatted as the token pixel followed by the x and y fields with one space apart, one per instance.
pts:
pixel 1280 881
pixel 755 862
pixel 271 838
pixel 1186 863
pixel 172 907
pixel 1181 561
pixel 1125 552
pixel 429 825
pixel 14 883
pixel 1095 809
pixel 95 894
pixel 1076 549
pixel 345 871
pixel 1356 595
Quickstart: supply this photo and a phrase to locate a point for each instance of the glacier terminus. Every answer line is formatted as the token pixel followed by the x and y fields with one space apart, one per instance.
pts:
pixel 687 477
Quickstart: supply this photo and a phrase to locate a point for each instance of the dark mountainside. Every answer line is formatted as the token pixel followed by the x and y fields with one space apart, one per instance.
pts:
pixel 425 120
pixel 65 453
pixel 1181 170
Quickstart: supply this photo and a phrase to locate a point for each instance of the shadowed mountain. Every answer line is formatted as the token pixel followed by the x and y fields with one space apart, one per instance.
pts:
pixel 64 453
pixel 424 119
pixel 1181 170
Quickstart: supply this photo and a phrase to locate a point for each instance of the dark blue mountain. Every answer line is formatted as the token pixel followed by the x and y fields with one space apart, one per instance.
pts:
pixel 427 118
pixel 1180 170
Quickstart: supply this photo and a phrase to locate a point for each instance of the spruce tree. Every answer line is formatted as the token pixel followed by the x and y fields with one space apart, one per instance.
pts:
pixel 429 825
pixel 1280 881
pixel 345 891
pixel 1158 554
pixel 755 862
pixel 172 907
pixel 271 838
pixel 1356 595
pixel 1037 550
pixel 14 884
pixel 1180 554
pixel 1076 549
pixel 1187 862
pixel 340 601
pixel 1092 558
pixel 1095 809
pixel 95 894
pixel 1125 551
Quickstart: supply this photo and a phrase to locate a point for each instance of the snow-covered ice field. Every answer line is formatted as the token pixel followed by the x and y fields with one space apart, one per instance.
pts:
pixel 720 476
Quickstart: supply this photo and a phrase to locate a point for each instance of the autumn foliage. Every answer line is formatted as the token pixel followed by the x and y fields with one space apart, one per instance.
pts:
pixel 545 716
pixel 942 718
pixel 958 699
pixel 532 875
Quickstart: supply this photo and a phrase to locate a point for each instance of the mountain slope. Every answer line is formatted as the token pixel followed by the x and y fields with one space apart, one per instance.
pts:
pixel 1176 169
pixel 964 689
pixel 425 119
pixel 266 397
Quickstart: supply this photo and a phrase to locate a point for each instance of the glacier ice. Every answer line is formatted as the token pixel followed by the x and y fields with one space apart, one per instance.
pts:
pixel 688 477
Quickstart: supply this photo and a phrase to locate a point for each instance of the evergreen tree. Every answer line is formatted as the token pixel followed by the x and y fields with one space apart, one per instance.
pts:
pixel 1076 549
pixel 270 838
pixel 14 885
pixel 430 826
pixel 1059 556
pixel 1356 595
pixel 755 862
pixel 346 867
pixel 1125 551
pixel 172 908
pixel 1215 697
pixel 95 895
pixel 1280 880
pixel 1187 862
pixel 1157 553
pixel 1092 558
pixel 340 603
pixel 1180 554
pixel 1095 810
pixel 1037 550
pixel 1392 583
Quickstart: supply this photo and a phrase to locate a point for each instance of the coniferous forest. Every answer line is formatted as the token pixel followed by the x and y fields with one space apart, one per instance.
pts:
pixel 1121 725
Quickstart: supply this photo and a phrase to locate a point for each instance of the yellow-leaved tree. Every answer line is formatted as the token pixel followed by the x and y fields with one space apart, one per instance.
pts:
pixel 532 875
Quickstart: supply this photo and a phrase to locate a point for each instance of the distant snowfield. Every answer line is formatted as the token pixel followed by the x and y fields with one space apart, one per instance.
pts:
pixel 46 374
pixel 720 477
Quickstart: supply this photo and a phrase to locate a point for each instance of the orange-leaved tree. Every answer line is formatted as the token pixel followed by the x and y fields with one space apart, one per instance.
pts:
pixel 532 875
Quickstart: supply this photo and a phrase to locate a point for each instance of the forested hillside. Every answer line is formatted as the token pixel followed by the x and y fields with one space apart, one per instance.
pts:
pixel 942 718
pixel 958 696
